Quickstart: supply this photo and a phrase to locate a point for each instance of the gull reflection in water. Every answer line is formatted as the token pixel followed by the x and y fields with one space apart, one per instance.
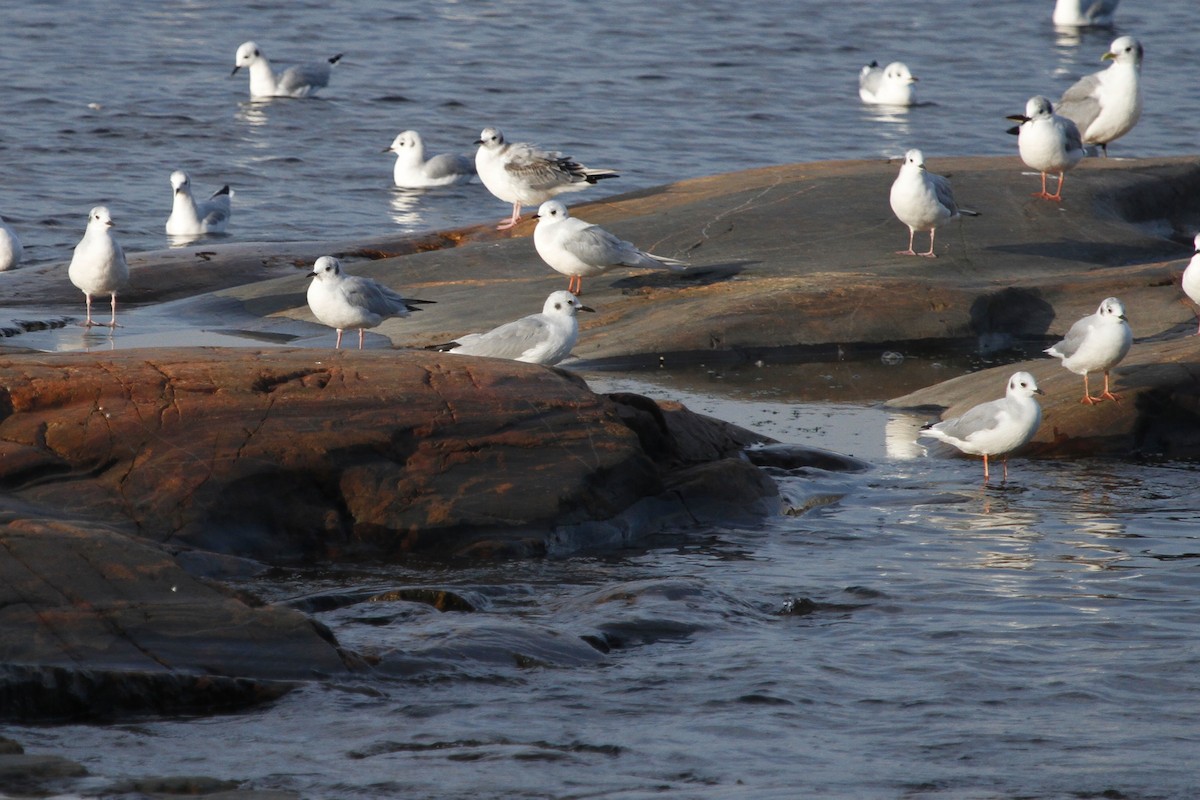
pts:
pixel 900 435
pixel 406 209
pixel 252 113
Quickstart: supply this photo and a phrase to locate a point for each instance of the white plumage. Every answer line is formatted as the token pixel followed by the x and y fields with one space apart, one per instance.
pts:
pixel 189 218
pixel 1107 104
pixel 1191 278
pixel 344 301
pixel 1096 343
pixel 413 171
pixel 891 85
pixel 1047 142
pixel 921 200
pixel 1084 13
pixel 11 249
pixel 98 264
pixel 545 338
pixel 301 80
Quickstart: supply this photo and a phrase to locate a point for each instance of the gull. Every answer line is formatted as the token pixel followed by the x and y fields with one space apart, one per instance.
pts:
pixel 580 249
pixel 922 200
pixel 1084 13
pixel 10 247
pixel 189 218
pixel 891 85
pixel 1097 342
pixel 1191 278
pixel 344 301
pixel 1047 142
pixel 1107 104
pixel 525 175
pixel 997 427
pixel 98 265
pixel 545 338
pixel 301 80
pixel 413 171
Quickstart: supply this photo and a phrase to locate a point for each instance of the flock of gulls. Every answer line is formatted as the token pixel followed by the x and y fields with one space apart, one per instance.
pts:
pixel 1052 138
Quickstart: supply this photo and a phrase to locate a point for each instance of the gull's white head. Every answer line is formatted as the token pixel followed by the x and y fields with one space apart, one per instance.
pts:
pixel 180 181
pixel 552 211
pixel 563 304
pixel 326 268
pixel 1111 310
pixel 491 138
pixel 1125 50
pixel 405 141
pixel 247 54
pixel 914 159
pixel 897 71
pixel 99 217
pixel 1022 384
pixel 1038 107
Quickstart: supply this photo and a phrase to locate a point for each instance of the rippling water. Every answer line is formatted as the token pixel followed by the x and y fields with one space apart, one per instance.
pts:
pixel 906 633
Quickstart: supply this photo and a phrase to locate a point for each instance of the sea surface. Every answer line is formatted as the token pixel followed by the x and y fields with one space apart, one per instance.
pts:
pixel 904 632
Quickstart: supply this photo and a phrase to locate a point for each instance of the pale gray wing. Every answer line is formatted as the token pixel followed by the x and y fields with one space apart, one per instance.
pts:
pixel 1080 103
pixel 375 297
pixel 1075 337
pixel 870 79
pixel 447 165
pixel 511 340
pixel 1071 131
pixel 945 194
pixel 216 210
pixel 594 245
pixel 1101 9
pixel 296 78
pixel 982 417
pixel 539 169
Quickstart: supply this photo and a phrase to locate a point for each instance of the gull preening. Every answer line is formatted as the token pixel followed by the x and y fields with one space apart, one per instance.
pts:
pixel 1191 279
pixel 995 428
pixel 891 85
pixel 414 171
pixel 922 200
pixel 525 175
pixel 344 301
pixel 301 80
pixel 189 218
pixel 1047 142
pixel 1084 13
pixel 582 250
pixel 11 249
pixel 98 264
pixel 1097 342
pixel 545 338
pixel 1107 104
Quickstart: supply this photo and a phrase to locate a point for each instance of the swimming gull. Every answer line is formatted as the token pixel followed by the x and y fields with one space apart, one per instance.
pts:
pixel 344 301
pixel 995 428
pixel 580 249
pixel 301 80
pixel 414 171
pixel 922 200
pixel 98 264
pixel 1191 278
pixel 525 175
pixel 1097 342
pixel 545 338
pixel 11 249
pixel 1047 142
pixel 891 85
pixel 189 218
pixel 1107 104
pixel 1084 13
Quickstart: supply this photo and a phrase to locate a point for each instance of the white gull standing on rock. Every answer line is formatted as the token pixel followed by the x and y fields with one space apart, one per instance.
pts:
pixel 301 80
pixel 344 301
pixel 891 85
pixel 545 338
pixel 98 264
pixel 414 171
pixel 1097 342
pixel 11 249
pixel 1084 13
pixel 1107 104
pixel 582 250
pixel 189 218
pixel 1191 278
pixel 1047 142
pixel 922 200
pixel 997 427
pixel 525 175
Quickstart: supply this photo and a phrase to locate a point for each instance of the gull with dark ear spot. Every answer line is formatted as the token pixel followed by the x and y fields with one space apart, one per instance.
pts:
pixel 525 175
pixel 923 201
pixel 1107 104
pixel 98 264
pixel 301 80
pixel 1047 142
pixel 189 218
pixel 1097 342
pixel 891 85
pixel 545 338
pixel 344 301
pixel 414 171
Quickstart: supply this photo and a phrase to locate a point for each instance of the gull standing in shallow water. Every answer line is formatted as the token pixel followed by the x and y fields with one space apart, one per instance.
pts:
pixel 580 249
pixel 1084 13
pixel 11 248
pixel 1107 104
pixel 1191 279
pixel 922 200
pixel 98 265
pixel 344 301
pixel 298 81
pixel 545 338
pixel 1047 142
pixel 995 428
pixel 1097 342
pixel 413 171
pixel 189 218
pixel 891 85
pixel 524 175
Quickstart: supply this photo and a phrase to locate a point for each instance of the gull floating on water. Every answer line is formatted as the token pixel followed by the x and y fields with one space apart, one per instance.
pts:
pixel 98 265
pixel 11 249
pixel 1191 278
pixel 301 80
pixel 891 85
pixel 189 218
pixel 413 171
pixel 1107 104
pixel 1084 13
pixel 1097 342
pixel 923 201
pixel 545 338
pixel 525 175
pixel 582 250
pixel 344 301
pixel 1047 142
pixel 995 428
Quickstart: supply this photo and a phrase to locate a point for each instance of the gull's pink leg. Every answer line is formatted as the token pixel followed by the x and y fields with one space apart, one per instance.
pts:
pixel 909 252
pixel 508 223
pixel 361 331
pixel 87 298
pixel 1106 394
pixel 929 253
pixel 985 469
pixel 338 344
pixel 1087 393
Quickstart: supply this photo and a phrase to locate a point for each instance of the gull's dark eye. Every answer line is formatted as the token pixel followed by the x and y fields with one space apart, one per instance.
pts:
pixel 558 306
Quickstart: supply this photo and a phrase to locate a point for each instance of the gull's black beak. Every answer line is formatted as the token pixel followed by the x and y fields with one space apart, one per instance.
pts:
pixel 585 308
pixel 235 69
pixel 479 141
pixel 1018 118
